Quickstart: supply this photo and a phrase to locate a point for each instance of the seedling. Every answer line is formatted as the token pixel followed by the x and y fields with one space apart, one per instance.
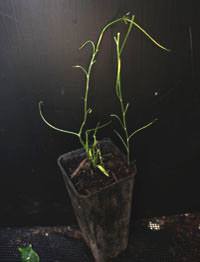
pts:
pixel 88 137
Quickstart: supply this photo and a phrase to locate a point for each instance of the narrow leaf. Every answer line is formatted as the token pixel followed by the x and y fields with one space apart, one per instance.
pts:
pixel 127 33
pixel 118 77
pixel 142 128
pixel 90 153
pixel 148 35
pixel 118 118
pixel 99 126
pixel 82 68
pixel 122 140
pixel 88 42
pixel 126 108
pixel 103 170
pixel 52 126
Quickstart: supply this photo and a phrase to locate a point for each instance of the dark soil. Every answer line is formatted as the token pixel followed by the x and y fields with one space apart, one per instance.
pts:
pixel 88 180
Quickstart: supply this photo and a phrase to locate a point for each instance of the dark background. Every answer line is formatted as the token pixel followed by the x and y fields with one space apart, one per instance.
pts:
pixel 39 43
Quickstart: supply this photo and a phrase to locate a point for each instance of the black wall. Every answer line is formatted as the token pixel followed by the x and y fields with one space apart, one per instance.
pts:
pixel 39 43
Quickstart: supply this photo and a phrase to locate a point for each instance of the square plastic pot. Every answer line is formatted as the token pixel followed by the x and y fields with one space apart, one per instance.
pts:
pixel 104 216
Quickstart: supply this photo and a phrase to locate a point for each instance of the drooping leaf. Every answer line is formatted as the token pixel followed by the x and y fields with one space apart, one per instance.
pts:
pixel 88 42
pixel 82 68
pixel 40 104
pixel 118 118
pixel 147 34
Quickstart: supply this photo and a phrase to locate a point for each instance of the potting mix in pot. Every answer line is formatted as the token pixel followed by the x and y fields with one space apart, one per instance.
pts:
pixel 88 180
pixel 98 177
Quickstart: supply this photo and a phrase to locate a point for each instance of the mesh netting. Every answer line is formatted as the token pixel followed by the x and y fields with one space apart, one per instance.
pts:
pixel 165 239
pixel 52 244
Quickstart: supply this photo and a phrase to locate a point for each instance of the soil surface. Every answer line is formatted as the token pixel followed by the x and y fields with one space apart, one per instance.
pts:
pixel 88 180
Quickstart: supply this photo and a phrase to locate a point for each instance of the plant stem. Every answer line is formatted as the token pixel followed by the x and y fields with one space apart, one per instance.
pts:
pixel 120 97
pixel 95 51
pixel 122 120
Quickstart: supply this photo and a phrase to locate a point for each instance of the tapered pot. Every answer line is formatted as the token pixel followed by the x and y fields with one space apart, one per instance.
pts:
pixel 103 216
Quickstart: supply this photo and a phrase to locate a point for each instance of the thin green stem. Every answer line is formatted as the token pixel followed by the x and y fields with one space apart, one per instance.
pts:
pixel 127 34
pixel 118 87
pixel 95 50
pixel 105 28
pixel 120 96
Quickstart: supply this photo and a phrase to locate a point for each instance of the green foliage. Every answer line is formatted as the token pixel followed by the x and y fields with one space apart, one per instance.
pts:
pixel 28 254
pixel 122 118
pixel 88 137
pixel 85 136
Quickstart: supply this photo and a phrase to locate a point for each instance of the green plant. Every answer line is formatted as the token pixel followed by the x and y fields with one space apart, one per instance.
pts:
pixel 28 254
pixel 126 137
pixel 84 135
pixel 88 137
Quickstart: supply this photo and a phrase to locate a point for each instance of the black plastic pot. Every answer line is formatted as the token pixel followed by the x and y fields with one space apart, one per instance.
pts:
pixel 104 216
